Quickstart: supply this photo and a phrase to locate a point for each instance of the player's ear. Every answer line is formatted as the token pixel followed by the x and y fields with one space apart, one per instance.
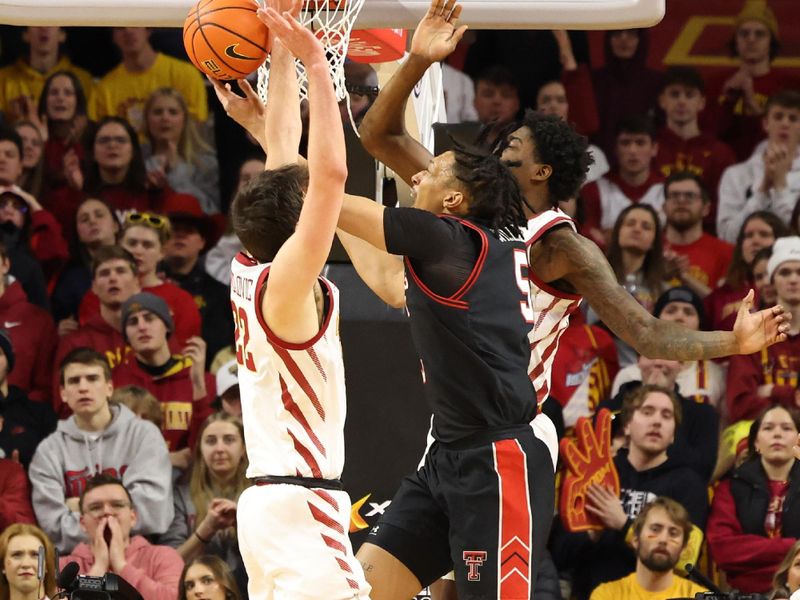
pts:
pixel 543 172
pixel 453 200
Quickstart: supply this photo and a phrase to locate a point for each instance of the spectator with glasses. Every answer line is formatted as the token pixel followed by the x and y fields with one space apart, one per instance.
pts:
pixel 116 169
pixel 145 235
pixel 695 258
pixel 108 516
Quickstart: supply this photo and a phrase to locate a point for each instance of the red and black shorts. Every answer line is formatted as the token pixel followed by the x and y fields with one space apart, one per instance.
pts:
pixel 482 507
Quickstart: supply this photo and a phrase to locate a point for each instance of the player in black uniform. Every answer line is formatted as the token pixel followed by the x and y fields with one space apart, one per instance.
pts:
pixel 469 506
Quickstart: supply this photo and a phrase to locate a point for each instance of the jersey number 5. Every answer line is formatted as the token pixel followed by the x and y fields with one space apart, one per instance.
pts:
pixel 243 357
pixel 521 270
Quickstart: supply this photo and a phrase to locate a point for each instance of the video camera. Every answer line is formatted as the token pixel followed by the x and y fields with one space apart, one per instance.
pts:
pixel 85 587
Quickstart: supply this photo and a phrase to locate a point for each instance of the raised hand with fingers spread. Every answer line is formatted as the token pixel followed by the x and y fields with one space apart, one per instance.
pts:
pixel 437 33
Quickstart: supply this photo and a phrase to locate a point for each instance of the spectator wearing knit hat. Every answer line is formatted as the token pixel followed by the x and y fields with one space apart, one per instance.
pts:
pixel 771 376
pixel 737 102
pixel 193 232
pixel 178 381
pixel 23 422
pixel 703 380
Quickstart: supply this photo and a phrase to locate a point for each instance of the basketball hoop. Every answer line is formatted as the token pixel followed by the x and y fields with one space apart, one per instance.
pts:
pixel 332 21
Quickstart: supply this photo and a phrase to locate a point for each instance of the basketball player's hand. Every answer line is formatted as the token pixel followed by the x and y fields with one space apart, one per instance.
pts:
pixel 437 34
pixel 757 330
pixel 248 111
pixel 298 39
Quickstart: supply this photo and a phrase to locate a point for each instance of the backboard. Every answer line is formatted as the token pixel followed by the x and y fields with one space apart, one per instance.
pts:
pixel 479 14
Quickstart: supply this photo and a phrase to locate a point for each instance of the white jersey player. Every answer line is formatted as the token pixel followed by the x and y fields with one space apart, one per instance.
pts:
pixel 293 523
pixel 551 307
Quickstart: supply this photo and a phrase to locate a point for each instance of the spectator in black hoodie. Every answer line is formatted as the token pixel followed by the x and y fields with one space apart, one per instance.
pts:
pixel 697 435
pixel 650 418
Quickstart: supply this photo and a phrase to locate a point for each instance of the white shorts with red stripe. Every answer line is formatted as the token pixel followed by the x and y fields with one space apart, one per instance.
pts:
pixel 295 545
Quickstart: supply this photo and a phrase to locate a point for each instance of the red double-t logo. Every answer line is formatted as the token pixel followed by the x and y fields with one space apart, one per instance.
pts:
pixel 474 559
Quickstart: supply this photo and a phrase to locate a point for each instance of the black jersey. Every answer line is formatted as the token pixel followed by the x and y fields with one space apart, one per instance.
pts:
pixel 473 343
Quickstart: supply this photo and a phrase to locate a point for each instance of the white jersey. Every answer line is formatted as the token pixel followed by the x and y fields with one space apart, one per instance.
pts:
pixel 551 308
pixel 293 395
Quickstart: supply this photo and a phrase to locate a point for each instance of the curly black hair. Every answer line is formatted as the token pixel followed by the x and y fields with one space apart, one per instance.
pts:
pixel 495 196
pixel 564 149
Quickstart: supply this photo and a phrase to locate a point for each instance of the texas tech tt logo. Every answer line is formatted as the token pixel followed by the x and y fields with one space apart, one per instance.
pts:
pixel 474 559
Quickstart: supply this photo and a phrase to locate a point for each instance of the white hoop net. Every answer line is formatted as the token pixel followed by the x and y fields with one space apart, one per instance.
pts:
pixel 332 21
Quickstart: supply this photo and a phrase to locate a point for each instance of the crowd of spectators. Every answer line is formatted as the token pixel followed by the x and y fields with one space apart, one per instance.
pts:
pixel 121 440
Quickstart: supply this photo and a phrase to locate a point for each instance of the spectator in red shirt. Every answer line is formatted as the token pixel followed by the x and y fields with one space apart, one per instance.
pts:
pixel 695 258
pixel 63 107
pixel 178 381
pixel 145 235
pixel 740 99
pixel 755 515
pixel 760 230
pixel 32 333
pixel 23 422
pixel 15 491
pixel 681 144
pixel 634 181
pixel 116 171
pixel 114 281
pixel 606 96
pixel 31 228
pixel 771 376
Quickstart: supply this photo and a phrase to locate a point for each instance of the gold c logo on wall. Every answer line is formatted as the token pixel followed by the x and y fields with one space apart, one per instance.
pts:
pixel 682 50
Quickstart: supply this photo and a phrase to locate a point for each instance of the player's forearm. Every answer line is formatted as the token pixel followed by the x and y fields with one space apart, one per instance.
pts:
pixel 282 123
pixel 664 339
pixel 386 117
pixel 381 271
pixel 327 158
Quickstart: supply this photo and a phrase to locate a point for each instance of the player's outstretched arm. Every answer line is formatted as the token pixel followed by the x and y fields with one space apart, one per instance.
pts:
pixel 298 263
pixel 580 262
pixel 248 110
pixel 282 120
pixel 383 131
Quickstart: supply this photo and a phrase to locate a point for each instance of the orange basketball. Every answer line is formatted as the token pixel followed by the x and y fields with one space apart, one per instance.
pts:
pixel 225 38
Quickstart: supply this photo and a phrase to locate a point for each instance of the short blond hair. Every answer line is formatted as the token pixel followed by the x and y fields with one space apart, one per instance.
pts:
pixel 140 401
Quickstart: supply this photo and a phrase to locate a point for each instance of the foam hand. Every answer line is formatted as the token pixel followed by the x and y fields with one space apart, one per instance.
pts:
pixel 588 461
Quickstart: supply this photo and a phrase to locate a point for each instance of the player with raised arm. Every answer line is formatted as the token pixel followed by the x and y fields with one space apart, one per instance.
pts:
pixel 293 521
pixel 551 163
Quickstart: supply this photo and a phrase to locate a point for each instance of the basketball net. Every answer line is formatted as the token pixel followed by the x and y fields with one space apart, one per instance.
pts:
pixel 331 21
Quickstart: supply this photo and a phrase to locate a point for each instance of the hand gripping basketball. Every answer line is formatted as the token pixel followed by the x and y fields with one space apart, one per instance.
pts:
pixel 589 462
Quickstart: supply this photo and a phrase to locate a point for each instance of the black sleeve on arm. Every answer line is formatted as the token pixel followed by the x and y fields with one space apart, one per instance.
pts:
pixel 418 234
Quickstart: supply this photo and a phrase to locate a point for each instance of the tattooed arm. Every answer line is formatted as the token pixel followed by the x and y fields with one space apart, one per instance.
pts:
pixel 563 254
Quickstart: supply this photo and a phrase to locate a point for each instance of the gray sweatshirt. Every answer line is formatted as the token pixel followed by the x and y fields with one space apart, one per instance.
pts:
pixel 129 448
